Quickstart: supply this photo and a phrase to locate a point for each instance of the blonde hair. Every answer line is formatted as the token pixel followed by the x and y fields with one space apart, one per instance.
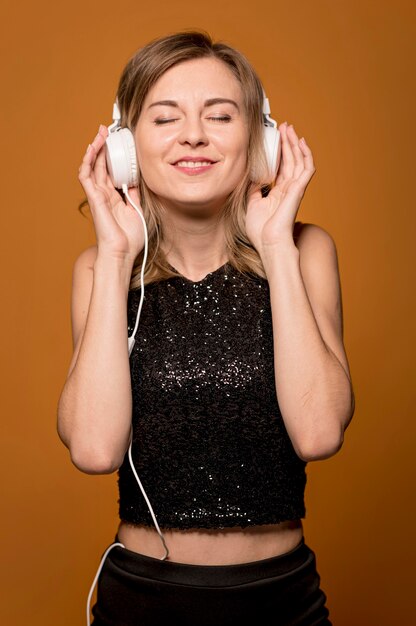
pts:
pixel 142 71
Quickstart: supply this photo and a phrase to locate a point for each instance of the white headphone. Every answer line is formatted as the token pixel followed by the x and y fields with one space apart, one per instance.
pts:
pixel 121 149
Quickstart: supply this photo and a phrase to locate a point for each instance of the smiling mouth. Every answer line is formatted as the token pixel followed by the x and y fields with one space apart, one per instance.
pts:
pixel 191 164
pixel 194 168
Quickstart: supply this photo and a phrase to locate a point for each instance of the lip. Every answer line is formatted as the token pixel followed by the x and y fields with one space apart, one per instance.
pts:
pixel 194 171
pixel 193 158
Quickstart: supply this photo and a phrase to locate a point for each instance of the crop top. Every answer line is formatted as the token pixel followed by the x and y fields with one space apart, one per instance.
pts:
pixel 209 442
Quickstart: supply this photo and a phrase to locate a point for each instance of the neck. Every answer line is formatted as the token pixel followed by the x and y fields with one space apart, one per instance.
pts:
pixel 194 247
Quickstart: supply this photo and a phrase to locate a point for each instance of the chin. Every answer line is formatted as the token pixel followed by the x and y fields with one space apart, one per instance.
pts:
pixel 194 206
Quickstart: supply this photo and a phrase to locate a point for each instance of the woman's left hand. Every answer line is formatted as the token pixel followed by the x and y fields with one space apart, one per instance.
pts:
pixel 270 220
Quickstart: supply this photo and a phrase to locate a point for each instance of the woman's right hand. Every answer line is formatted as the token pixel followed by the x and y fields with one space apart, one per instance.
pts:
pixel 119 229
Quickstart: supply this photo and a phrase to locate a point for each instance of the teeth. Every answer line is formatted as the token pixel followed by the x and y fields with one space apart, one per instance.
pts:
pixel 193 163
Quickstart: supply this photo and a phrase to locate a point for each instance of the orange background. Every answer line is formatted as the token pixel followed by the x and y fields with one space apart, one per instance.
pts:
pixel 341 73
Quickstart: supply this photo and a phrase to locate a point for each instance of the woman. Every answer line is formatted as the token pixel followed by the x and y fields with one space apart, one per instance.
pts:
pixel 238 376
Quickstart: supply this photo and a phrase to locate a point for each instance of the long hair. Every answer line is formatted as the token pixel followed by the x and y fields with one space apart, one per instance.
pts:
pixel 142 71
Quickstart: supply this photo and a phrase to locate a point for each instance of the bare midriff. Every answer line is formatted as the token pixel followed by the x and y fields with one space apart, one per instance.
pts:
pixel 213 546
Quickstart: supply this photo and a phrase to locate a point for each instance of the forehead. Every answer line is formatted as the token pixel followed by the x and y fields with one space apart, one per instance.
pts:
pixel 196 79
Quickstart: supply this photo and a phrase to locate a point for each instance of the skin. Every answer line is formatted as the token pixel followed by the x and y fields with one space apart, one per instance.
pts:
pixel 219 132
pixel 303 276
pixel 193 203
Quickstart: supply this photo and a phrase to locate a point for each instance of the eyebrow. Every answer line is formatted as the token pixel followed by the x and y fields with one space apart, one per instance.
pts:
pixel 207 103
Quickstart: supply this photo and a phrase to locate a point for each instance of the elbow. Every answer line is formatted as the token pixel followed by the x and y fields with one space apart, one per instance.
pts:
pixel 95 459
pixel 99 457
pixel 321 447
pixel 93 462
pixel 327 437
pixel 91 458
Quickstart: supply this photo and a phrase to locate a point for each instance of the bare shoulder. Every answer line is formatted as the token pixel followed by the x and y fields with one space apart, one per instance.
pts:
pixel 312 236
pixel 319 263
pixel 317 253
pixel 87 257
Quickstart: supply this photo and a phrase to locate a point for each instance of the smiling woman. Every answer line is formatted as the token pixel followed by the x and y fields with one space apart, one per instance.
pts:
pixel 186 129
pixel 239 377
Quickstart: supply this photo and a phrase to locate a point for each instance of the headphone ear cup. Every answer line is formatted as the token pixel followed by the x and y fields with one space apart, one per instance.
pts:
pixel 272 148
pixel 121 158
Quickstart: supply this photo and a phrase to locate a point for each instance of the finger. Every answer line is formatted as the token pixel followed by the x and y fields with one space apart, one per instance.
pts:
pixel 103 130
pixel 280 178
pixel 307 155
pixel 91 153
pixel 99 140
pixel 287 155
pixel 100 168
pixel 109 182
pixel 85 171
pixel 298 185
pixel 297 152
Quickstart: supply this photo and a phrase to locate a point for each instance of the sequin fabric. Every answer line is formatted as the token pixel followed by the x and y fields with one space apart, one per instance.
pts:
pixel 209 442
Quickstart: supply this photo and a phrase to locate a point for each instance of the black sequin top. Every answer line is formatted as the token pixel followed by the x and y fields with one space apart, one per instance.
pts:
pixel 209 443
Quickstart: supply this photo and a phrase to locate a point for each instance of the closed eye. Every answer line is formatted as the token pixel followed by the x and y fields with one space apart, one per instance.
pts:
pixel 224 118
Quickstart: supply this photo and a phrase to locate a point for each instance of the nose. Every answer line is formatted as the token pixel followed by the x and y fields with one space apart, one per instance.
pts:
pixel 193 132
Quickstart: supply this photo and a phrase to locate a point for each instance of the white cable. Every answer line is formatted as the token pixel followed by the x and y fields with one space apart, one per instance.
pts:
pixel 97 575
pixel 149 505
pixel 131 339
pixel 131 342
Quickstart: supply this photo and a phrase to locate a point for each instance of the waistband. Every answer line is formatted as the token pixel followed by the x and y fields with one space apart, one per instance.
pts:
pixel 211 575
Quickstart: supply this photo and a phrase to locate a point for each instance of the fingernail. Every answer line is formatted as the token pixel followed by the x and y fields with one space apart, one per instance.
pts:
pixel 89 147
pixel 102 127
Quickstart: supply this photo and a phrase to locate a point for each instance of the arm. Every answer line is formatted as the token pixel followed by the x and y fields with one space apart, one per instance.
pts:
pixel 312 377
pixel 94 410
pixel 313 381
pixel 95 406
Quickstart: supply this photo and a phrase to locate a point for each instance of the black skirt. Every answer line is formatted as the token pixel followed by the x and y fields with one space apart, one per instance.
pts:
pixel 138 590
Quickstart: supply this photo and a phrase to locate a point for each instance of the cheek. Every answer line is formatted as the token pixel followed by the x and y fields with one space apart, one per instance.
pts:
pixel 237 154
pixel 151 161
pixel 233 144
pixel 153 150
